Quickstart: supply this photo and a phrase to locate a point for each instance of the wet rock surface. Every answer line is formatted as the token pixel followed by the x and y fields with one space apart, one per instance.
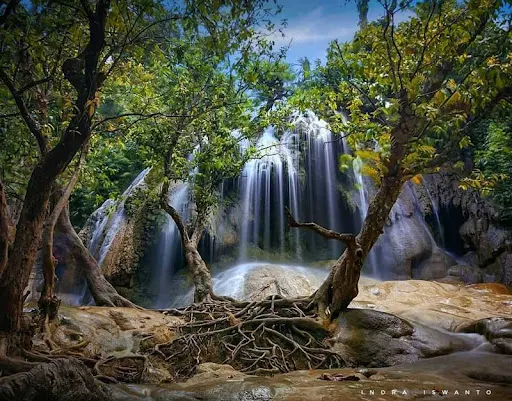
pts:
pixel 484 376
pixel 434 304
pixel 497 330
pixel 270 279
pixel 376 339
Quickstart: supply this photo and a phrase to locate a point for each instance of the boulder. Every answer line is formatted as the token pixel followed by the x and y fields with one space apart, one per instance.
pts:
pixel 270 279
pixel 375 339
pixel 256 281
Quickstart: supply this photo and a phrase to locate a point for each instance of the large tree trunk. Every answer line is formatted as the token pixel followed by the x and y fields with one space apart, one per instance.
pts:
pixel 199 271
pixel 4 229
pixel 29 229
pixel 102 291
pixel 28 235
pixel 341 286
pixel 48 301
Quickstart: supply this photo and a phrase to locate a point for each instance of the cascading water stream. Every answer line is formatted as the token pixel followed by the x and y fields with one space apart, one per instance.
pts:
pixel 435 211
pixel 258 193
pixel 272 182
pixel 105 228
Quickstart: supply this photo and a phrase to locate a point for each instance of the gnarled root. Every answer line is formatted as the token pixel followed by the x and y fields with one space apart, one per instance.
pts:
pixel 129 368
pixel 267 337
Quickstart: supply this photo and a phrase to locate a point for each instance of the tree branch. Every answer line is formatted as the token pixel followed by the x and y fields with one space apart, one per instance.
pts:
pixel 348 239
pixel 356 87
pixel 34 83
pixel 32 124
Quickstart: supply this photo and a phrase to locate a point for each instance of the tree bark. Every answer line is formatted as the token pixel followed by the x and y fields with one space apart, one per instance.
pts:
pixel 4 230
pixel 200 273
pixel 102 291
pixel 28 235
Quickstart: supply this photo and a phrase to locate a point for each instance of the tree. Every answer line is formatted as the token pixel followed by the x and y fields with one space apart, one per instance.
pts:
pixel 56 58
pixel 411 92
pixel 202 101
pixel 83 74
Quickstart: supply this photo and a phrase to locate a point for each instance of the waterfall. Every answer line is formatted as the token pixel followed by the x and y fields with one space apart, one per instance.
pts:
pixel 258 191
pixel 100 222
pixel 272 182
pixel 435 211
pixel 323 201
pixel 294 168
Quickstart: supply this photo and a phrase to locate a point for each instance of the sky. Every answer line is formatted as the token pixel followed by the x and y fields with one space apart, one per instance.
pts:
pixel 312 25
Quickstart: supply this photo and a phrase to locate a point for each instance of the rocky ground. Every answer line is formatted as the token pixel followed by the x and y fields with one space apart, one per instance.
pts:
pixel 411 336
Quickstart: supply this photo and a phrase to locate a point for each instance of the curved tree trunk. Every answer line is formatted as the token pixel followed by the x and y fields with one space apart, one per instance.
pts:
pixel 341 286
pixel 48 301
pixel 102 291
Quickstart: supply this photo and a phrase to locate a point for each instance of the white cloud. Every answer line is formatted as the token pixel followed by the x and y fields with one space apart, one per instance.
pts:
pixel 317 26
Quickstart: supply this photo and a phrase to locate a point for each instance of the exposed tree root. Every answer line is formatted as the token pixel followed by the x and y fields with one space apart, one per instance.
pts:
pixel 276 335
pixel 272 336
pixel 129 368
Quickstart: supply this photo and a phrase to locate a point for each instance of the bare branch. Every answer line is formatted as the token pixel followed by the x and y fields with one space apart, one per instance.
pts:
pixel 32 124
pixel 34 83
pixel 348 239
pixel 141 116
pixel 425 44
pixel 355 86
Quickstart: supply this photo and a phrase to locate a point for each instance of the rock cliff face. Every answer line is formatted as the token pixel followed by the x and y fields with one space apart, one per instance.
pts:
pixel 473 228
pixel 407 248
pixel 118 233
